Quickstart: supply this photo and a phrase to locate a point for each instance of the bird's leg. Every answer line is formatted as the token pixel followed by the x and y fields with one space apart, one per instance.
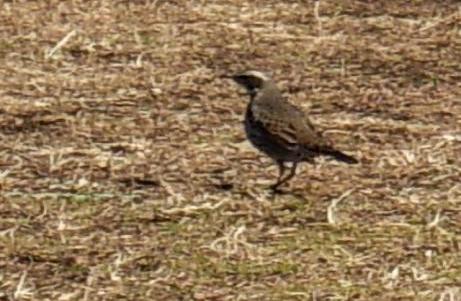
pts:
pixel 287 178
pixel 281 169
pixel 281 173
pixel 292 172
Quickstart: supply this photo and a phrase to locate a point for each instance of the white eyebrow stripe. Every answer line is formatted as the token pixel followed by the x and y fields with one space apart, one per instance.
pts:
pixel 258 74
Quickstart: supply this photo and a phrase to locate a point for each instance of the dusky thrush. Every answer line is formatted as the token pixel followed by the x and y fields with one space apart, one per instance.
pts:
pixel 281 130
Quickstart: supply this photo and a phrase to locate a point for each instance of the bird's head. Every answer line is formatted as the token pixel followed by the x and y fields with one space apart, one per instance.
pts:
pixel 252 81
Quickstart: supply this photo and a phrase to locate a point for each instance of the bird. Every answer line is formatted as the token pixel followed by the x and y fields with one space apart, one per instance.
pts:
pixel 281 130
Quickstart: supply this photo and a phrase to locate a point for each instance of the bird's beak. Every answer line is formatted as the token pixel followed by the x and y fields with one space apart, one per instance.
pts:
pixel 227 76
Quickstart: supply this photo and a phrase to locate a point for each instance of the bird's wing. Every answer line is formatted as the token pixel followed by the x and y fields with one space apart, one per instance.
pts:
pixel 307 135
pixel 313 141
pixel 277 128
pixel 288 126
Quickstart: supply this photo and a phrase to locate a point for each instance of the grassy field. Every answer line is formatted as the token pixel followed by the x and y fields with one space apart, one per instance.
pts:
pixel 125 173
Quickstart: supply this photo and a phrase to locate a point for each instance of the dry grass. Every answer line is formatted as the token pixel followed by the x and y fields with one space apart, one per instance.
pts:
pixel 125 174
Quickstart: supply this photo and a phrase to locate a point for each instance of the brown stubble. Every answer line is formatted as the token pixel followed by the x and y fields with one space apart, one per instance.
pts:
pixel 125 173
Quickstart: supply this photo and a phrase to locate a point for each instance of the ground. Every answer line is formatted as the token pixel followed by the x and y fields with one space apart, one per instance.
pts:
pixel 125 173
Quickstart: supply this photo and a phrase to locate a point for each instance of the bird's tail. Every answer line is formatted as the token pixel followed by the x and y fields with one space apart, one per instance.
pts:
pixel 341 156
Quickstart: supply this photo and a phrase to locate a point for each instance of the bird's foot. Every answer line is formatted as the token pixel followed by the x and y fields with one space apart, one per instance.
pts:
pixel 275 188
